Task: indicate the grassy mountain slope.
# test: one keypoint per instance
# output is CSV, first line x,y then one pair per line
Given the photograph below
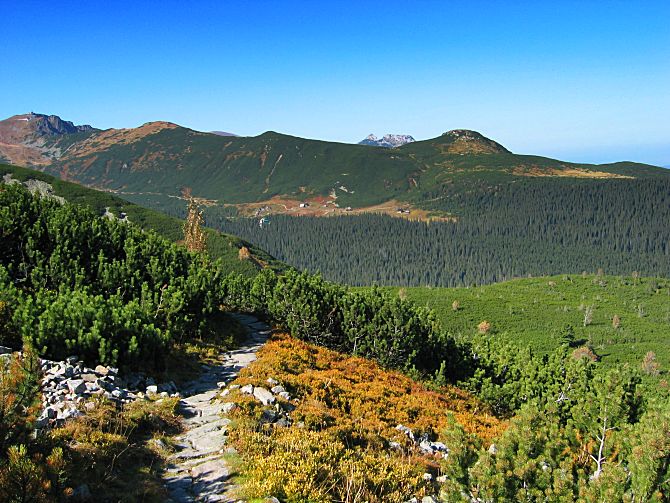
x,y
219,245
535,312
160,160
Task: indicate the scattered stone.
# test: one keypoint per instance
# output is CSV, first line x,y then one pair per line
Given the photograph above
x,y
285,395
442,479
228,407
272,382
278,389
88,377
4,350
71,360
152,389
407,431
198,471
264,396
283,422
77,386
428,499
493,449
427,477
101,370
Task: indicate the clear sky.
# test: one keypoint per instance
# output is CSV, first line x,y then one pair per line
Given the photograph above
x,y
578,80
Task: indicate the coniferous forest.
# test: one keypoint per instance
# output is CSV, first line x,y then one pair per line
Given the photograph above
x,y
619,226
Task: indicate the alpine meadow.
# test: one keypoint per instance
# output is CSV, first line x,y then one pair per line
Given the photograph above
x,y
217,285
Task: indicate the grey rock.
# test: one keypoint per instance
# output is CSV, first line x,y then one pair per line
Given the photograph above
x,y
91,387
285,395
88,377
71,360
101,370
228,407
278,389
268,416
283,422
152,388
407,431
4,350
76,386
264,396
272,382
248,389
69,413
428,499
426,447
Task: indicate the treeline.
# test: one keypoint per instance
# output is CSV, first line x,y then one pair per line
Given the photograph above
x,y
506,232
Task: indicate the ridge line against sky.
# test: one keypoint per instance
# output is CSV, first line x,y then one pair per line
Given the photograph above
x,y
580,81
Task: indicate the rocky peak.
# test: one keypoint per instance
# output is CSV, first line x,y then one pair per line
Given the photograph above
x,y
388,140
466,141
51,125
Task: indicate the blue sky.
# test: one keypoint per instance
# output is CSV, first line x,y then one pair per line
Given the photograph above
x,y
583,80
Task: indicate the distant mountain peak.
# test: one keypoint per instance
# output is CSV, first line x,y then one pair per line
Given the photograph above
x,y
47,125
466,141
23,137
388,140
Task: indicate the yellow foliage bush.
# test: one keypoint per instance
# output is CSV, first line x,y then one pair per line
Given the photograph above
x,y
349,408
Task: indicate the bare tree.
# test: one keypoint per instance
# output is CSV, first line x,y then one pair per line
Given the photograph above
x,y
588,315
195,238
599,458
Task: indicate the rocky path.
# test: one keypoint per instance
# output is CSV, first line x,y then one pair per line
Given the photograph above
x,y
198,472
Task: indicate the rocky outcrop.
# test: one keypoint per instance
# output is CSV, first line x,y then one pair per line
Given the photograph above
x,y
69,389
387,141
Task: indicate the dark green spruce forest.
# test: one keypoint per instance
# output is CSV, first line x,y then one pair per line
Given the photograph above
x,y
619,226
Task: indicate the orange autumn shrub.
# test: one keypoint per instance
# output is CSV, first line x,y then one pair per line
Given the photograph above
x,y
349,408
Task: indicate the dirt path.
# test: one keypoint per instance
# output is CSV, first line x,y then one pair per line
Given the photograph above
x,y
198,472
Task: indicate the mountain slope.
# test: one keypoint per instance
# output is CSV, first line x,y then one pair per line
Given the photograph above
x,y
160,160
223,246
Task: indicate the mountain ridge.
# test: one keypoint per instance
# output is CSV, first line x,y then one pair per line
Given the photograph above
x,y
273,172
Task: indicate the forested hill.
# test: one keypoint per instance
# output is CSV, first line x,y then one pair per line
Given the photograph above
x,y
160,160
222,246
619,226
